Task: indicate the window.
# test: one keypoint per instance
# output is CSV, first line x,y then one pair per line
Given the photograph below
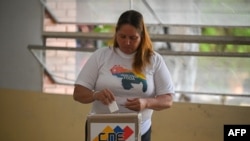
x,y
206,69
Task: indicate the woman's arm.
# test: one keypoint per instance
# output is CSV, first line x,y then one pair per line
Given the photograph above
x,y
159,102
83,94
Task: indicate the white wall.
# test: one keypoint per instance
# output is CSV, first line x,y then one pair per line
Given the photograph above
x,y
20,25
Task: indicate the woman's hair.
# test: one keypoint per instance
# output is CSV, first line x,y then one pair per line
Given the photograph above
x,y
145,49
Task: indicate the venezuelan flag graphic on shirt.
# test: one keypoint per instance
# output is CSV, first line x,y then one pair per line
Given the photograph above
x,y
129,77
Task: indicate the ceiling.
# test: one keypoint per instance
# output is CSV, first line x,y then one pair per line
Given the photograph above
x,y
234,13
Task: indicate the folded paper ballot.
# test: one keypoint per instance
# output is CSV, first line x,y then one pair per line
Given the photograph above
x,y
113,107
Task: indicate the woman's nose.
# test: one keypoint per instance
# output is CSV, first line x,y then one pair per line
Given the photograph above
x,y
128,41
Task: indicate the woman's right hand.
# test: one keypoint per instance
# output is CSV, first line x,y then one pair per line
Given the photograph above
x,y
105,96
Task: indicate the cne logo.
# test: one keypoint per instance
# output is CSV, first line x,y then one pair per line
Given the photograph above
x,y
114,134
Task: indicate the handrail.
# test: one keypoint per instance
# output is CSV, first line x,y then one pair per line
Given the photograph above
x,y
214,94
242,40
40,47
162,52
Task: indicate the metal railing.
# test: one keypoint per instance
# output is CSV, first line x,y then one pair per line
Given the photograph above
x,y
210,54
240,40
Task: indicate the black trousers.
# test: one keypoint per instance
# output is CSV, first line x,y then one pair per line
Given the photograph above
x,y
147,135
144,137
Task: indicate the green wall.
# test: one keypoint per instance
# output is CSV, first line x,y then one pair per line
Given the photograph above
x,y
36,116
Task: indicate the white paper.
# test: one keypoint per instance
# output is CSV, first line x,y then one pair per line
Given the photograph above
x,y
113,107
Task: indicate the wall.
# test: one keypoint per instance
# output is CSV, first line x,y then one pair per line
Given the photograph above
x,y
21,25
33,116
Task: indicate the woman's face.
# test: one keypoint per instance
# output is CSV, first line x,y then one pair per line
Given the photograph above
x,y
128,39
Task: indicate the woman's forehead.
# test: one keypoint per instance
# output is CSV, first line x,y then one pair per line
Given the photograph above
x,y
128,29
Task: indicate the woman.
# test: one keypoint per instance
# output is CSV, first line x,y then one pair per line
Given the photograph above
x,y
130,72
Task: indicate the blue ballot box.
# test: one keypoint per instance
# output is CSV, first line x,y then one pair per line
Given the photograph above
x,y
114,127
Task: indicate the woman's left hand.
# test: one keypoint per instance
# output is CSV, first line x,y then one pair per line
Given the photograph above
x,y
159,102
136,104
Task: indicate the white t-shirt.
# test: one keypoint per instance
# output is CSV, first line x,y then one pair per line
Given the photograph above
x,y
111,69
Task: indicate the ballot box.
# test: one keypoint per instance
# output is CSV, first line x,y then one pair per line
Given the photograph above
x,y
114,127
